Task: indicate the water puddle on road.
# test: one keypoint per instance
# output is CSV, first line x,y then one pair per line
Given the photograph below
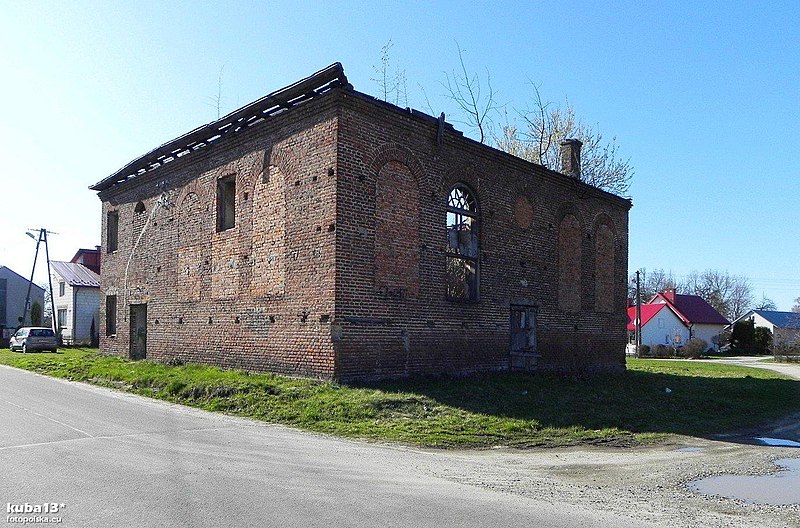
x,y
779,489
780,442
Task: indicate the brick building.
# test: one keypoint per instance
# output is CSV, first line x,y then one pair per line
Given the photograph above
x,y
321,232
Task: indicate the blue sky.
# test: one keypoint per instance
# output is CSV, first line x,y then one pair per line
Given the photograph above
x,y
702,98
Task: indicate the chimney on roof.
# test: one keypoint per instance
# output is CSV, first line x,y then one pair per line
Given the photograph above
x,y
669,294
571,158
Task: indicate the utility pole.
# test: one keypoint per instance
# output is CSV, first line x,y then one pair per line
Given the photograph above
x,y
638,314
41,238
53,317
27,306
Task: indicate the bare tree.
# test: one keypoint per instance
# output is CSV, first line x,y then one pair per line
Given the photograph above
x,y
216,100
730,295
765,304
390,78
546,124
543,126
796,307
651,282
475,99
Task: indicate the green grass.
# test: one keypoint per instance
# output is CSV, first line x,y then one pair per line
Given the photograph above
x,y
499,409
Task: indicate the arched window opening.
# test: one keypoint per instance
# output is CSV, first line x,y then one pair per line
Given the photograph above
x,y
462,245
139,208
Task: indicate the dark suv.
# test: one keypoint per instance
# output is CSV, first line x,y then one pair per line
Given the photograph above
x,y
30,338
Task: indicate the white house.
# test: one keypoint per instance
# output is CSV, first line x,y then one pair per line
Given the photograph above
x,y
13,291
785,326
671,319
76,292
660,326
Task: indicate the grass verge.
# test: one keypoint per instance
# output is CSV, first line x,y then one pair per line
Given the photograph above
x,y
652,399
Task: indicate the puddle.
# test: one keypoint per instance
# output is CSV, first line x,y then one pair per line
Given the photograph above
x,y
780,489
691,449
778,442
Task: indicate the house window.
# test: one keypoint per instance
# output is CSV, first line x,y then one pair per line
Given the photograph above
x,y
62,318
111,315
61,288
462,244
112,231
226,203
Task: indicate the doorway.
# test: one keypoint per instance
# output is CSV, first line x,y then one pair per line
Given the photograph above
x,y
138,348
523,329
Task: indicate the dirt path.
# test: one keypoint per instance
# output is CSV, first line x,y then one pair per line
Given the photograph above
x,y
647,485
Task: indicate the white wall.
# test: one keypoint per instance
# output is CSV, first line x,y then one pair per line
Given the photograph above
x,y
663,329
87,307
706,332
82,304
63,302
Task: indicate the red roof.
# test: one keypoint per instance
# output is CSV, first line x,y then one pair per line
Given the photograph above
x,y
648,312
693,309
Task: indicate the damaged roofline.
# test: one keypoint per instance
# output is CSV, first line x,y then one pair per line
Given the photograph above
x,y
274,103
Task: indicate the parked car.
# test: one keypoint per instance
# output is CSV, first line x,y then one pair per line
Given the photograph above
x,y
30,338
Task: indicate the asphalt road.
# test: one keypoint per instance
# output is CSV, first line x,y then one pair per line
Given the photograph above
x,y
115,459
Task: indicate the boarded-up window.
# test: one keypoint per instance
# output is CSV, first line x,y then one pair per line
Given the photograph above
x,y
569,264
112,231
269,234
226,203
604,269
111,315
396,231
462,245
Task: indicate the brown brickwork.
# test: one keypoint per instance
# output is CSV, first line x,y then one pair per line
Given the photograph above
x,y
335,266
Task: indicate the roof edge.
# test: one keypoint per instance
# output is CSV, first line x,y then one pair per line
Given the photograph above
x,y
274,103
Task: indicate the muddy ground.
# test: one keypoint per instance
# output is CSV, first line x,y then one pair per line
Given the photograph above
x,y
647,485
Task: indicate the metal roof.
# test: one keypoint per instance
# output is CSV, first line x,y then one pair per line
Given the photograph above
x,y
781,319
76,274
237,121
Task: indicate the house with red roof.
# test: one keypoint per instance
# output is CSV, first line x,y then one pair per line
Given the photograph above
x,y
672,319
77,297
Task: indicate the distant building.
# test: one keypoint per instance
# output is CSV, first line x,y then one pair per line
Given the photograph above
x,y
321,232
76,292
672,319
13,289
785,326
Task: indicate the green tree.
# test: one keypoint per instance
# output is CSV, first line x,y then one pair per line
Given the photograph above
x,y
743,337
36,314
762,340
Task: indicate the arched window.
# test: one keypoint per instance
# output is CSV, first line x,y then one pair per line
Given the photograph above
x,y
462,244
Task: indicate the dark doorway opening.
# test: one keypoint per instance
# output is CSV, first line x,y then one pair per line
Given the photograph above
x,y
523,337
138,348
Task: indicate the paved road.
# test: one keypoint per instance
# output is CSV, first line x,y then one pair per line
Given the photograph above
x,y
116,459
787,369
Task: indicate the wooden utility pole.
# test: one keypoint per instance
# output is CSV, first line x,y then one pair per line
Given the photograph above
x,y
638,321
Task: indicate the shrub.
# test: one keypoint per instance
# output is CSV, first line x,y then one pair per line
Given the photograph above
x,y
694,348
662,351
644,350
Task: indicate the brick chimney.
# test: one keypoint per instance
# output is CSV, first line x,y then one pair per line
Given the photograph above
x,y
571,158
669,294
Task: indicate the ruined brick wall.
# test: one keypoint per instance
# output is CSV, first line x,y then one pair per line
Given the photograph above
x,y
259,295
545,240
335,266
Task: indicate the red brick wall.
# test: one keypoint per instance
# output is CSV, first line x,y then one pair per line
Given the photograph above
x,y
336,264
256,296
394,332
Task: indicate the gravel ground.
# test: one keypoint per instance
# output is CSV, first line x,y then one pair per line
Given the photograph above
x,y
647,485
